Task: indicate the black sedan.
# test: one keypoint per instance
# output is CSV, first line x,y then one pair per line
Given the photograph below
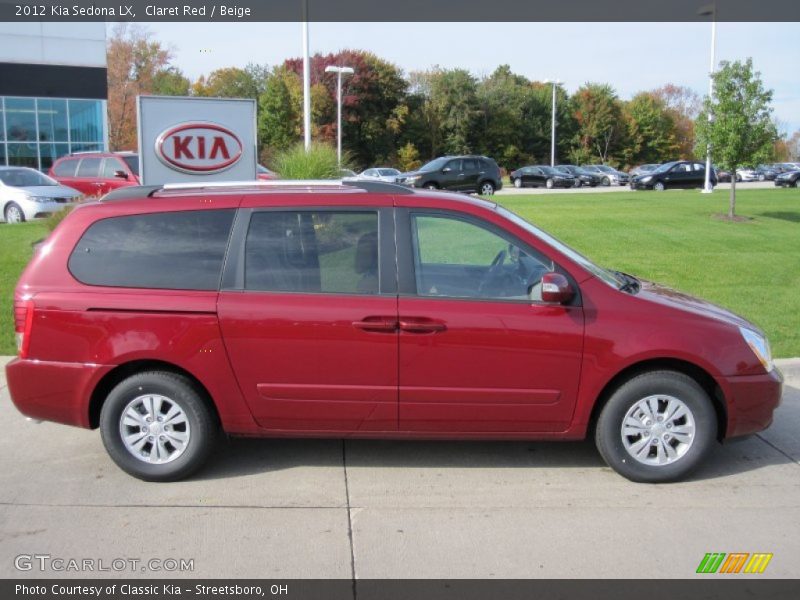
x,y
788,179
540,175
582,176
767,172
680,174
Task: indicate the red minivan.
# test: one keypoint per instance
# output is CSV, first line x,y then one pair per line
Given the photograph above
x,y
97,173
165,315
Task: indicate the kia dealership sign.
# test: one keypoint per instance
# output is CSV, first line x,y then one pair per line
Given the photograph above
x,y
196,139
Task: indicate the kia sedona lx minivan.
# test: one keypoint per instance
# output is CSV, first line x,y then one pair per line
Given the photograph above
x,y
166,315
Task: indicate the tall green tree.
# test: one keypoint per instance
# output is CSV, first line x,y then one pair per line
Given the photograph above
x,y
229,82
171,82
736,122
600,127
279,112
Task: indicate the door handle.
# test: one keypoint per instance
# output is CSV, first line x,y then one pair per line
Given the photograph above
x,y
378,324
422,326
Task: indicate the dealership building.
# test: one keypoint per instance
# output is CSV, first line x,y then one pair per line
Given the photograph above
x,y
53,91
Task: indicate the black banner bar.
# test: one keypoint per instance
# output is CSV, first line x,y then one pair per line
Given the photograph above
x,y
405,11
711,587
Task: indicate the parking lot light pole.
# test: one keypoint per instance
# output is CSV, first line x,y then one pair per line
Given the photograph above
x,y
710,10
306,82
555,82
339,72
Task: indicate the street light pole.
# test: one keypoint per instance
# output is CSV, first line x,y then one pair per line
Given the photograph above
x,y
555,82
339,72
710,10
306,82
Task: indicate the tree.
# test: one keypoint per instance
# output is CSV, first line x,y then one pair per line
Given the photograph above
x,y
280,110
230,82
741,130
793,146
171,82
684,104
408,158
135,65
651,130
600,126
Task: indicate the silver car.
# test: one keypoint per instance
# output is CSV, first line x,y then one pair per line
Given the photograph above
x,y
26,194
381,174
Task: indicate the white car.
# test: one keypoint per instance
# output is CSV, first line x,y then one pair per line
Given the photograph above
x,y
26,194
746,174
381,174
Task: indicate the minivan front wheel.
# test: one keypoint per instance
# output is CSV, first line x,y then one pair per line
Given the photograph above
x,y
656,427
157,427
486,188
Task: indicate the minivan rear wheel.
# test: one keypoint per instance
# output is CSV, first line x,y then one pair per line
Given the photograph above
x,y
157,427
656,427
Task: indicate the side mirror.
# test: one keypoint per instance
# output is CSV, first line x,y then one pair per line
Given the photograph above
x,y
121,174
556,289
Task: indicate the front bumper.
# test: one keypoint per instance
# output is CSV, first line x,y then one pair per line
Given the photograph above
x,y
54,391
638,185
751,401
33,210
783,183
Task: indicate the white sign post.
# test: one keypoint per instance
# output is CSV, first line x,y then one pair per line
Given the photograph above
x,y
196,139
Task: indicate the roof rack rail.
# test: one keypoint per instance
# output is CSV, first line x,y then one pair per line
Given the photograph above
x,y
369,186
145,191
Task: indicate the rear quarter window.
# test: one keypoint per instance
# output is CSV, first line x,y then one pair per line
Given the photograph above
x,y
180,250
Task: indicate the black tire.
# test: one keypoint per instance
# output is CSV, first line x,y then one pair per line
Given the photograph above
x,y
181,391
13,213
659,186
486,188
517,182
549,184
609,436
431,186
762,177
797,182
578,183
606,182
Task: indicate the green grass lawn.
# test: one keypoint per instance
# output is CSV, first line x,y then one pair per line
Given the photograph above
x,y
15,252
752,268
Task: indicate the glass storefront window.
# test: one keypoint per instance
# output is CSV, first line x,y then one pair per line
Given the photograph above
x,y
85,121
20,120
34,132
22,155
52,120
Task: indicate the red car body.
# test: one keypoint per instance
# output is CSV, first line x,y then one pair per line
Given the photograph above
x,y
95,173
384,365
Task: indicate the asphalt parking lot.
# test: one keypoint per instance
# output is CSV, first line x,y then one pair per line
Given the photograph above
x,y
510,190
376,509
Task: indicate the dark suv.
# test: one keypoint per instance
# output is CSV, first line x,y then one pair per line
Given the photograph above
x,y
473,174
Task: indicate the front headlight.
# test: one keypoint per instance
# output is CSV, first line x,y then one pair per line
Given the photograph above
x,y
32,198
412,179
646,179
760,347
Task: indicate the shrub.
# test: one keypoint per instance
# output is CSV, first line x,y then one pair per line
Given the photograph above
x,y
318,163
55,218
408,158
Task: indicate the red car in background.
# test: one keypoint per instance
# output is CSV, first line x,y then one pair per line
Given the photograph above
x,y
97,173
366,310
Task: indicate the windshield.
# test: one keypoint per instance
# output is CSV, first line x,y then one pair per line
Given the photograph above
x,y
133,163
388,172
665,167
24,178
606,168
604,274
435,164
549,171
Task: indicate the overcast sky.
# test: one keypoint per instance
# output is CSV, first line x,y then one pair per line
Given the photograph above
x,y
629,56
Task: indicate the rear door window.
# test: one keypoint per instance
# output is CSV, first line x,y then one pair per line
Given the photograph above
x,y
111,166
177,250
324,252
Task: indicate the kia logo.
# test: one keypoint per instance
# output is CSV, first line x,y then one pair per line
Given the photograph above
x,y
198,147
